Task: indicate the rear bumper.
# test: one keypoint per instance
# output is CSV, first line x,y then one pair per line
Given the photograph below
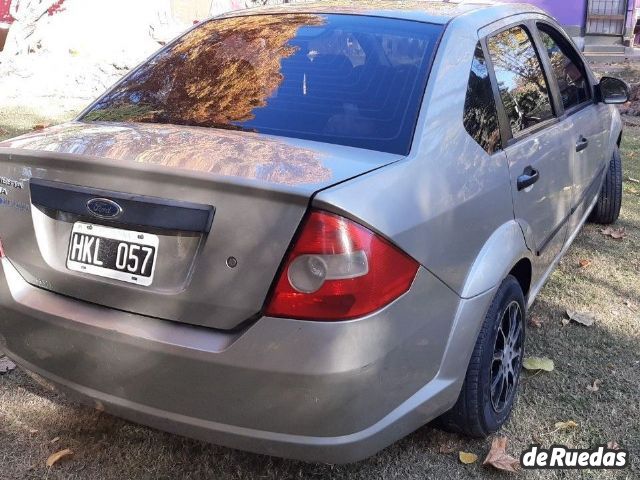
x,y
330,392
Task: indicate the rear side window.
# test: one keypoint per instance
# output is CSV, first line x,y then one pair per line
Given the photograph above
x,y
480,115
523,87
567,68
342,79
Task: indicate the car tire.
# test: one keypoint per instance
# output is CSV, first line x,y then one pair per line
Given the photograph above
x,y
480,410
607,208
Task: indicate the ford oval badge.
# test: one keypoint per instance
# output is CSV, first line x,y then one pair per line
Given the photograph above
x,y
104,208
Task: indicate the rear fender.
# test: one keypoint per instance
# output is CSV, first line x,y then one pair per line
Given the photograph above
x,y
504,248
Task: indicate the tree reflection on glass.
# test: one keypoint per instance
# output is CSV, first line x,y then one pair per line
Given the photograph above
x,y
523,87
349,80
480,116
218,152
215,75
569,74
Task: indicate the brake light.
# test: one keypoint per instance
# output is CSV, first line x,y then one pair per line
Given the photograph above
x,y
1,249
338,270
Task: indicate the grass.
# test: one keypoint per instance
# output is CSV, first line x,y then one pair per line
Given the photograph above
x,y
109,448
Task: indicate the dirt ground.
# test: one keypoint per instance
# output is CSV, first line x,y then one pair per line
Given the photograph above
x,y
35,422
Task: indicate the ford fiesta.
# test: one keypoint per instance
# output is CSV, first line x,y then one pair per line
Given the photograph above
x,y
308,232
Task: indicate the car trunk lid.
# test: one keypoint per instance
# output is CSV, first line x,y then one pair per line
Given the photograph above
x,y
224,206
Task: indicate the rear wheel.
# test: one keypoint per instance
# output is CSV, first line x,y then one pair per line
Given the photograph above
x,y
491,382
607,208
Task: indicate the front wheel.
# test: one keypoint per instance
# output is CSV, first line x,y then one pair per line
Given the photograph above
x,y
491,381
607,208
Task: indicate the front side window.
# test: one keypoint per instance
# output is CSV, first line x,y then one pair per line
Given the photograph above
x,y
343,79
567,68
480,115
523,87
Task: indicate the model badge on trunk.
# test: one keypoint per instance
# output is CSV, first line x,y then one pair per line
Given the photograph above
x,y
104,208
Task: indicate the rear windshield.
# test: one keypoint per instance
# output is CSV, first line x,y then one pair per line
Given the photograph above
x,y
342,79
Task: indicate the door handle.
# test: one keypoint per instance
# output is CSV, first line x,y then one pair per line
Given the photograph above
x,y
582,144
528,178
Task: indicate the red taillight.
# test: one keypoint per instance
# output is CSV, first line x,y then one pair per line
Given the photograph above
x,y
338,270
1,249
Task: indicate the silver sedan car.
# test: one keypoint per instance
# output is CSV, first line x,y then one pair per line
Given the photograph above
x,y
309,231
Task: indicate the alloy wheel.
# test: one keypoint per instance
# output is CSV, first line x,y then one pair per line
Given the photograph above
x,y
507,357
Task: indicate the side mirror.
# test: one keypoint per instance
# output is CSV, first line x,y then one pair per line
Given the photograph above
x,y
613,91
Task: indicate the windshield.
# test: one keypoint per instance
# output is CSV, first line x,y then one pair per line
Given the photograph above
x,y
342,79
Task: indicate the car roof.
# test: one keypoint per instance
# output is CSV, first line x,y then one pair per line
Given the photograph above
x,y
429,11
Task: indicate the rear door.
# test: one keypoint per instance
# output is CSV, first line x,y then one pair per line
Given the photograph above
x,y
538,144
589,119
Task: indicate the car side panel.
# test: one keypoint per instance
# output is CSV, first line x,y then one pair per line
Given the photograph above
x,y
448,197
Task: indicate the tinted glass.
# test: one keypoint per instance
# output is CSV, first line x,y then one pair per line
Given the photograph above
x,y
567,68
480,116
523,87
344,79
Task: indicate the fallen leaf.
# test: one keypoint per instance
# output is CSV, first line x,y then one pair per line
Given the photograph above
x,y
634,180
6,365
584,263
569,424
56,457
54,440
538,363
617,233
595,386
581,318
467,458
499,458
40,126
613,445
536,322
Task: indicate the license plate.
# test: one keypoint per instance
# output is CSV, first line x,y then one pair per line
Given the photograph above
x,y
113,253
